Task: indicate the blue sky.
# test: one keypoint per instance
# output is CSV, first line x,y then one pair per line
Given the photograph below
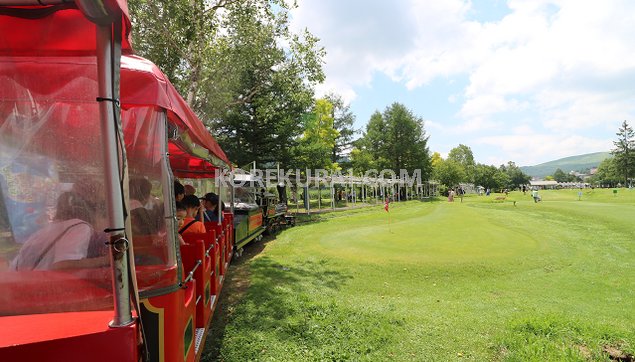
x,y
522,80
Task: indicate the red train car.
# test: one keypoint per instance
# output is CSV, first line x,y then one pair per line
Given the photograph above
x,y
179,307
90,264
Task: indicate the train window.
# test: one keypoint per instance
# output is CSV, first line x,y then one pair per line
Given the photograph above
x,y
245,195
150,223
52,201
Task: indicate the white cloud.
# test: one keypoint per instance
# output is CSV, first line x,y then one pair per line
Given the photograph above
x,y
559,65
489,104
533,147
552,49
568,111
361,38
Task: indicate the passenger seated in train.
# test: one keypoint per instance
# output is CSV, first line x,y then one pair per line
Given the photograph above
x,y
189,189
210,201
193,208
181,214
144,220
179,191
70,240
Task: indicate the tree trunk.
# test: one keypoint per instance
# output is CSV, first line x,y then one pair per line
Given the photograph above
x,y
192,86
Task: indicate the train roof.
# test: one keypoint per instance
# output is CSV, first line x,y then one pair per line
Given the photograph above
x,y
61,29
195,153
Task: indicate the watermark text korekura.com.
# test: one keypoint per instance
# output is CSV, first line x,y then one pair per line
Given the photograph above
x,y
314,178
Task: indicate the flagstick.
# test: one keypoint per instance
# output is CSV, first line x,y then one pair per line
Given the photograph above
x,y
387,207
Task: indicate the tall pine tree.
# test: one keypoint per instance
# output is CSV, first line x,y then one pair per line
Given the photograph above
x,y
394,140
624,152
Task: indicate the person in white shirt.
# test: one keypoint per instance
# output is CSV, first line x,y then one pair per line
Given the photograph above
x,y
65,243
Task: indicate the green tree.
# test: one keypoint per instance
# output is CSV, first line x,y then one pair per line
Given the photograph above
x,y
316,144
560,176
173,35
490,177
606,173
624,152
368,150
375,140
396,140
343,121
406,141
464,156
502,180
517,177
262,130
362,160
227,57
435,159
449,172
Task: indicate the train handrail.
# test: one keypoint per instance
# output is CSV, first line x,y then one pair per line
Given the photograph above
x,y
190,275
209,249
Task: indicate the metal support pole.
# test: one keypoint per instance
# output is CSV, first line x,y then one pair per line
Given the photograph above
x,y
112,154
233,195
220,201
332,196
307,198
352,192
319,195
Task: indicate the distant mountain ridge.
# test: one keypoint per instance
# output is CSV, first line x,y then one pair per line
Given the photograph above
x,y
574,163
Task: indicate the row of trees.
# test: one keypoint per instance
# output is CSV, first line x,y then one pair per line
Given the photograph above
x,y
561,176
251,79
460,167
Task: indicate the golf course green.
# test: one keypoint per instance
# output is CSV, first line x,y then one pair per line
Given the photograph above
x,y
482,279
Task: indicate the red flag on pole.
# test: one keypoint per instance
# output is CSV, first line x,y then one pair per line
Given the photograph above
x,y
386,204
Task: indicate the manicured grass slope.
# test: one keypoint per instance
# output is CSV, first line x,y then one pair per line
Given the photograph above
x,y
478,280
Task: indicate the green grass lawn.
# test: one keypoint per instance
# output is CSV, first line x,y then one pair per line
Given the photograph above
x,y
478,280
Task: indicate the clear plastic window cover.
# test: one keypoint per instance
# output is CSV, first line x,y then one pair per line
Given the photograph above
x,y
245,197
53,256
203,186
152,228
226,196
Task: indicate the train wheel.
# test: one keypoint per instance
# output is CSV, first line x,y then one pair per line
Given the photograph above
x,y
272,227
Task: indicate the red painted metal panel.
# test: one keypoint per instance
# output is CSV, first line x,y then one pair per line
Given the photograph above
x,y
175,311
68,337
65,32
222,244
193,251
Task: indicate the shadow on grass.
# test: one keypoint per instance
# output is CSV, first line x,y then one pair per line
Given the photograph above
x,y
234,289
260,292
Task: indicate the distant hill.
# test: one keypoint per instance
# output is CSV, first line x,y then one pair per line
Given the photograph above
x,y
567,164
